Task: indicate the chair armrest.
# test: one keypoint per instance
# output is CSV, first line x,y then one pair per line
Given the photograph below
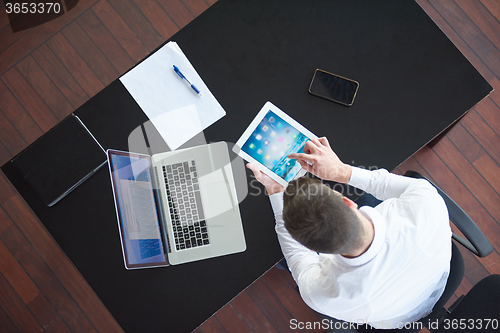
x,y
474,239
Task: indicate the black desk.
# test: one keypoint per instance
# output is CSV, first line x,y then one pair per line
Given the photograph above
x,y
413,84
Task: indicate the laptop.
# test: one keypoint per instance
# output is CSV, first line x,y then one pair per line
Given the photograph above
x,y
176,207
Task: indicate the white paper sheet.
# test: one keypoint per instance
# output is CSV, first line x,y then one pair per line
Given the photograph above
x,y
174,108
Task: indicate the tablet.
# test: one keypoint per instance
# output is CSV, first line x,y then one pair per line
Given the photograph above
x,y
269,139
67,156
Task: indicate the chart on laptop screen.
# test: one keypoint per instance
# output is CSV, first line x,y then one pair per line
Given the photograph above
x,y
272,141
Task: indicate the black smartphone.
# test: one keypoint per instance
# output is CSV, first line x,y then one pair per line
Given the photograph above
x,y
333,87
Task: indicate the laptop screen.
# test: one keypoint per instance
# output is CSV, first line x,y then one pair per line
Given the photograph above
x,y
136,208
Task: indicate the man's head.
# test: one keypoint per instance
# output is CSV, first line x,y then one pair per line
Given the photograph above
x,y
321,219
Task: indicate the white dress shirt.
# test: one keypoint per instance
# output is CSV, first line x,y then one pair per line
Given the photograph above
x,y
401,275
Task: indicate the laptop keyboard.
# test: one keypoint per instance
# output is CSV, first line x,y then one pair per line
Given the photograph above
x,y
184,200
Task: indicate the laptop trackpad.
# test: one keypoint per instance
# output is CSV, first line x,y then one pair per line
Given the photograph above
x,y
216,194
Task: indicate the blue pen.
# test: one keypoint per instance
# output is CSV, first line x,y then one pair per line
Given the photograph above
x,y
178,71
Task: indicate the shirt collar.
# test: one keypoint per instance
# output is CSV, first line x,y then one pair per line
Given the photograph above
x,y
378,240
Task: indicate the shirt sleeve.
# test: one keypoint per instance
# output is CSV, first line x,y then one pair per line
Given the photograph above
x,y
299,258
384,185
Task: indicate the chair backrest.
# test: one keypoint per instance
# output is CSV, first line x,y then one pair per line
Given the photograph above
x,y
478,311
474,240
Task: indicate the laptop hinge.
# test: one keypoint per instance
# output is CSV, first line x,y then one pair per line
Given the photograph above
x,y
161,213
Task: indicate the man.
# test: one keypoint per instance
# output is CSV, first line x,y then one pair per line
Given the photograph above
x,y
386,266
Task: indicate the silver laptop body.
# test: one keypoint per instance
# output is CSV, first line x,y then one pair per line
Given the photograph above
x,y
183,209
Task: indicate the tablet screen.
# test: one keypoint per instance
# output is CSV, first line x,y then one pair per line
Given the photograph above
x,y
272,141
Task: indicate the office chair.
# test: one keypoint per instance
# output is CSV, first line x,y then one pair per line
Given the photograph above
x,y
479,310
473,240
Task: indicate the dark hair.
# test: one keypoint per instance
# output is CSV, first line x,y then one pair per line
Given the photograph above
x,y
319,219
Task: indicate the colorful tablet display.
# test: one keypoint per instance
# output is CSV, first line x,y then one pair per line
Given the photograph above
x,y
272,141
269,139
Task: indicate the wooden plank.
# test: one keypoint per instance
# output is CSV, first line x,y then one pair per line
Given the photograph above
x,y
452,185
26,22
60,76
5,323
267,302
44,87
177,11
489,170
211,325
413,165
17,311
10,137
105,41
289,297
449,31
6,35
75,64
5,221
483,19
38,35
47,316
29,99
466,143
490,112
4,18
7,191
52,289
60,265
493,7
495,95
16,276
158,18
90,53
138,23
252,315
196,7
470,33
18,116
470,177
5,155
231,320
483,133
120,30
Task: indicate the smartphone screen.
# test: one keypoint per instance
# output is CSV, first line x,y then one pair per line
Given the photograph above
x,y
333,87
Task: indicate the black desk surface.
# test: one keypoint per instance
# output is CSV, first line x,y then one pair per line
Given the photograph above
x,y
413,84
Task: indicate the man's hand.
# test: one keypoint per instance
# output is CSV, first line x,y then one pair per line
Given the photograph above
x,y
271,185
320,160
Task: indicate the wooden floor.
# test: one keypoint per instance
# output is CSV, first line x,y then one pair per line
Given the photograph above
x,y
49,71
